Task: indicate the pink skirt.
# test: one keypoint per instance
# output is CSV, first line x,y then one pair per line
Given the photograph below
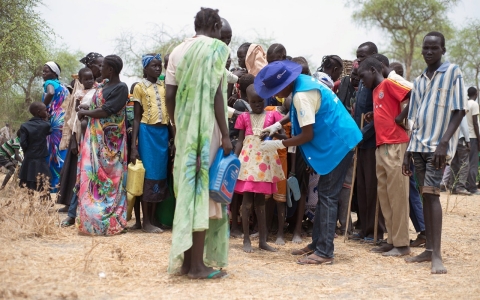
x,y
266,188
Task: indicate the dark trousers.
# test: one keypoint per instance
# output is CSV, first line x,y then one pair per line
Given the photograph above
x,y
367,193
459,166
416,206
473,166
72,209
329,188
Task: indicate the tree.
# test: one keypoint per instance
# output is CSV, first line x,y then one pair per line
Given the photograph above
x,y
131,46
465,51
405,22
22,36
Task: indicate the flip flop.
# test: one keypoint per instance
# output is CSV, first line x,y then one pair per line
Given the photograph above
x,y
301,252
214,273
292,183
313,261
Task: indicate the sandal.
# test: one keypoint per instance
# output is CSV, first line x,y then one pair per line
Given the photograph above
x,y
303,251
67,222
419,242
315,261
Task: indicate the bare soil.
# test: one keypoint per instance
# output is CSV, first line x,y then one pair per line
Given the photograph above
x,y
65,265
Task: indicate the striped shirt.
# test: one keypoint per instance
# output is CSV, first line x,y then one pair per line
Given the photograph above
x,y
431,104
8,148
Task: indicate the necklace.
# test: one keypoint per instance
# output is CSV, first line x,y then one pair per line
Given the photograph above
x,y
257,121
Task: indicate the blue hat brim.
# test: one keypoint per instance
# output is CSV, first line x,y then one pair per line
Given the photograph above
x,y
266,92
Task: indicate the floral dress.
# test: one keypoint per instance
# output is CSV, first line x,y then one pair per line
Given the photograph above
x,y
101,171
260,170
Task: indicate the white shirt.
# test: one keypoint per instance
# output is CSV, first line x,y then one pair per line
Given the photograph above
x,y
473,111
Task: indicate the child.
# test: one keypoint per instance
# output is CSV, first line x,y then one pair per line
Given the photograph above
x,y
392,140
7,150
33,140
150,125
260,171
434,137
82,99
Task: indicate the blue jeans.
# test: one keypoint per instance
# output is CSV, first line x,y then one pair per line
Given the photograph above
x,y
72,209
416,208
325,222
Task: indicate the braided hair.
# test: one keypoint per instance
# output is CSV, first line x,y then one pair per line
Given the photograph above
x,y
115,62
329,62
206,18
276,52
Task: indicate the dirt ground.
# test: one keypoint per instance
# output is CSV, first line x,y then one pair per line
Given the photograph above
x,y
66,265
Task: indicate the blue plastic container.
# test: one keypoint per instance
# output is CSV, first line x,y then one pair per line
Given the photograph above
x,y
223,177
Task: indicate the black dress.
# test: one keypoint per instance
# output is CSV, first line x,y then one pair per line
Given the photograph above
x,y
33,140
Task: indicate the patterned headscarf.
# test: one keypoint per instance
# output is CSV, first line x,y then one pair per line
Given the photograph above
x,y
146,59
90,57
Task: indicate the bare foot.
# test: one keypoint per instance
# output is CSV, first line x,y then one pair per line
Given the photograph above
x,y
297,239
236,234
247,247
267,247
383,248
151,229
437,266
136,226
303,251
184,270
280,241
398,251
424,256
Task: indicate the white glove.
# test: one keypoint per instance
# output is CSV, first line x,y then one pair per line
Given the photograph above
x,y
271,145
272,129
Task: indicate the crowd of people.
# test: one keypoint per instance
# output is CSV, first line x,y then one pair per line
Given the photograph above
x,y
307,143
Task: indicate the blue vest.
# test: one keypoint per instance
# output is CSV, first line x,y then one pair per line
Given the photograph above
x,y
335,133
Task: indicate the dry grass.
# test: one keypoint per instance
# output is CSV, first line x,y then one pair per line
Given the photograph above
x,y
133,266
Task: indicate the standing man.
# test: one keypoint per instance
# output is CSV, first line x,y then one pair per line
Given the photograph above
x,y
366,172
326,135
473,132
437,106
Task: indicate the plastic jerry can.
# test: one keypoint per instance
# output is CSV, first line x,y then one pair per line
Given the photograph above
x,y
135,178
223,177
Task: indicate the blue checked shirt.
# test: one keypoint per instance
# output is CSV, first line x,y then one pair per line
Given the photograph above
x,y
431,105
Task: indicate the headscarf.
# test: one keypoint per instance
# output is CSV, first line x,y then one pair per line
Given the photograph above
x,y
90,57
54,67
256,59
146,59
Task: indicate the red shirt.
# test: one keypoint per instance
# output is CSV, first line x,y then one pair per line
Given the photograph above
x,y
387,97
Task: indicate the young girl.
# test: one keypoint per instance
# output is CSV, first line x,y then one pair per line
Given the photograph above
x,y
260,171
150,125
33,140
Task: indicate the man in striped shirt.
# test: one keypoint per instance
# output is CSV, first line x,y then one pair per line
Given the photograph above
x,y
437,106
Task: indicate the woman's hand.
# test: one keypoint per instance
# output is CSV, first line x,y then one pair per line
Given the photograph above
x,y
134,155
81,114
226,145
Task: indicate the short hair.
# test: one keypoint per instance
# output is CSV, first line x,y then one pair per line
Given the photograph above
x,y
382,58
244,82
244,45
276,49
132,87
472,91
34,107
115,62
396,66
437,34
370,62
83,71
206,18
304,63
329,62
371,46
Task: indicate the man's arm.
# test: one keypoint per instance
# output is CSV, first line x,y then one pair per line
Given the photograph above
x,y
439,158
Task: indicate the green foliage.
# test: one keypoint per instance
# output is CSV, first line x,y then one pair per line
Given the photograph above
x,y
405,22
465,51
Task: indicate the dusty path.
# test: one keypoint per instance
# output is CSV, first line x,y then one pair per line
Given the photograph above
x,y
67,266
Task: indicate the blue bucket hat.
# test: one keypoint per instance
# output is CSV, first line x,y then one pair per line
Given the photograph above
x,y
276,76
